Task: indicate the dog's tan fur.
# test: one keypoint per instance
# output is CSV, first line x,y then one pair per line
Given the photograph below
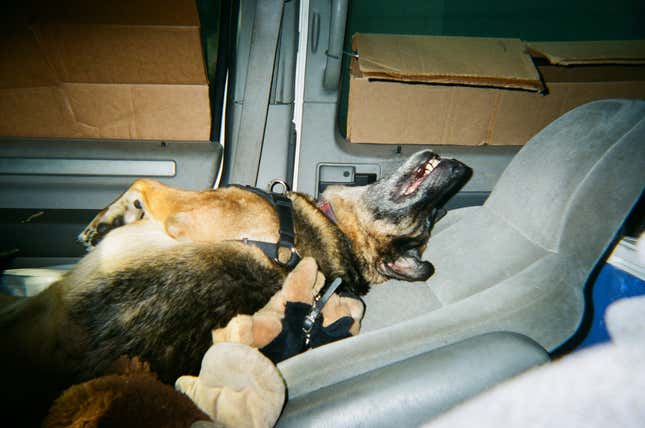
x,y
197,216
231,213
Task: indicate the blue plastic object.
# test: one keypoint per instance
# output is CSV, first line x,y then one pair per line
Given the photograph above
x,y
611,284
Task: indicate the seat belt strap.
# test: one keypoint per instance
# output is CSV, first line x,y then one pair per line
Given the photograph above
x,y
264,42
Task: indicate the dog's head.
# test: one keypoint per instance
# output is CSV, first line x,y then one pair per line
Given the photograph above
x,y
389,222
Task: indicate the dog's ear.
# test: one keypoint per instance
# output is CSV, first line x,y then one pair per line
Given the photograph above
x,y
408,267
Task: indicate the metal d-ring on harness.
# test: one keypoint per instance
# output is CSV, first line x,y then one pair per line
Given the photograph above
x,y
283,206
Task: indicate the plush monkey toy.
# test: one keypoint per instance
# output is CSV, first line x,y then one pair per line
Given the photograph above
x,y
239,384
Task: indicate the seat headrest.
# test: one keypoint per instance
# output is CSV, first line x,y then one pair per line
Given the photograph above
x,y
579,175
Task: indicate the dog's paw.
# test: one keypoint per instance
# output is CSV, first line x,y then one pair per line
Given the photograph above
x,y
127,209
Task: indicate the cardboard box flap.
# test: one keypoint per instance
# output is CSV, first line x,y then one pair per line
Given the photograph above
x,y
446,60
591,52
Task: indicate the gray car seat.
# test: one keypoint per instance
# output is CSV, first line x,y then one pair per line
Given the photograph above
x,y
518,264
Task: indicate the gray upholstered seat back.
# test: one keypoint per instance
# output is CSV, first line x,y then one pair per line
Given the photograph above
x,y
602,201
566,193
559,185
519,263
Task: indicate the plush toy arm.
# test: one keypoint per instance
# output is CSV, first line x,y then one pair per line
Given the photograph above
x,y
276,329
264,326
341,306
255,331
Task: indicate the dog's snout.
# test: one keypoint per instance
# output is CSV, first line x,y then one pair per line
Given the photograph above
x,y
426,271
457,168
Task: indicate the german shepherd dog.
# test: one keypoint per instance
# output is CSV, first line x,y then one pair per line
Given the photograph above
x,y
167,266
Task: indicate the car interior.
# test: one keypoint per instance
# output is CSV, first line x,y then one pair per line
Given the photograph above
x,y
526,257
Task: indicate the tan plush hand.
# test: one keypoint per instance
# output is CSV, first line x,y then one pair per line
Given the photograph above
x,y
259,329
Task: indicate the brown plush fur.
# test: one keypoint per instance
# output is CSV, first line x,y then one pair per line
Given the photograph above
x,y
132,397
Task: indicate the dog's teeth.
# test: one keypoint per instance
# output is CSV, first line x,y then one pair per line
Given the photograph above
x,y
430,165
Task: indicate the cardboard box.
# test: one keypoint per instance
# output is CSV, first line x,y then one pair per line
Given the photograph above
x,y
124,69
477,91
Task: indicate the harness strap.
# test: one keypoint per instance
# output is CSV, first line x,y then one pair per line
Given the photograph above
x,y
284,207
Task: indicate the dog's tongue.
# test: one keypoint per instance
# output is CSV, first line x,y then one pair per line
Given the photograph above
x,y
402,265
409,267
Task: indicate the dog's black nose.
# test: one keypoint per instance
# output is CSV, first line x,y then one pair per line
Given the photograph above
x,y
458,169
426,271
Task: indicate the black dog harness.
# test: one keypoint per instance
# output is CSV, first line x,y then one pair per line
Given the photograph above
x,y
302,325
284,207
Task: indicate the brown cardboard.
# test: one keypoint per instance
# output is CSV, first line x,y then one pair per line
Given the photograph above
x,y
98,53
596,52
87,110
415,110
460,60
125,69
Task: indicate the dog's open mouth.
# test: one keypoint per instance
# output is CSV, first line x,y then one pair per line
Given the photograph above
x,y
407,267
412,181
419,175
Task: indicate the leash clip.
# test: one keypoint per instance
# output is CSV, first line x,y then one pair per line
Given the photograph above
x,y
308,325
319,303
